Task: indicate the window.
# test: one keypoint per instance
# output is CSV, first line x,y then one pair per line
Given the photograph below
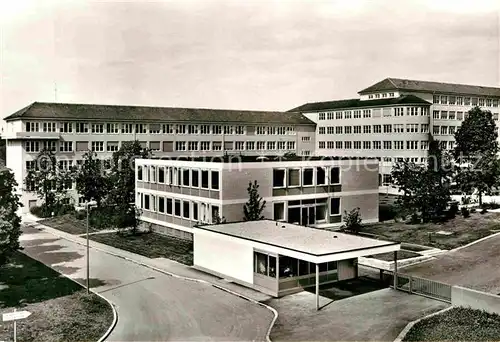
x,y
412,145
49,145
261,130
139,172
460,100
357,145
357,114
261,145
444,130
279,178
82,127
320,176
488,102
239,145
367,145
460,115
217,145
387,145
377,145
495,102
161,204
444,99
306,139
185,177
474,101
412,128
451,116
377,128
240,130
481,102
338,144
388,128
217,129
98,146
367,129
435,114
444,115
194,212
155,128
334,206
321,116
66,146
32,126
215,180
186,209
192,129
330,129
177,208
154,146
281,145
180,129
279,211
97,128
399,145
205,129
127,128
308,177
192,146
357,129
334,175
398,111
435,99
180,146
338,130
265,264
271,130
290,145
293,177
348,145
290,130
49,126
169,208
424,128
435,129
321,144
141,129
161,174
399,128
322,130
271,145
424,145
467,101
451,130
250,145
330,144
204,145
338,115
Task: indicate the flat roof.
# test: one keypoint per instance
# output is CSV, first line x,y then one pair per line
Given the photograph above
x,y
242,158
316,242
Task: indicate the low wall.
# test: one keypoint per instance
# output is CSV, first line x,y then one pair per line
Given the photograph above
x,y
473,299
389,265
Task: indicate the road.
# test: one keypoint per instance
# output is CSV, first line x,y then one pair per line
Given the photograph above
x,y
476,266
153,306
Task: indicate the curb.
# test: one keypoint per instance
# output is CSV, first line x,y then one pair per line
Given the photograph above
x,y
474,242
410,325
115,313
201,281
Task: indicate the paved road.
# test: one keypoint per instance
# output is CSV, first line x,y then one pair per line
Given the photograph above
x,y
152,306
476,267
375,316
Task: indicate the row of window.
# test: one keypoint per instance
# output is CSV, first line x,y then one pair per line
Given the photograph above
x,y
179,176
234,145
444,130
306,176
453,115
375,145
368,129
380,95
123,128
464,101
189,210
368,113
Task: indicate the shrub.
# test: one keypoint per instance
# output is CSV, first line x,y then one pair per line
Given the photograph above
x,y
415,219
37,211
452,211
473,210
465,212
386,212
81,214
352,221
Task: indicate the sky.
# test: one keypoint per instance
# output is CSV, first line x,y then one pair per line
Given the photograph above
x,y
260,55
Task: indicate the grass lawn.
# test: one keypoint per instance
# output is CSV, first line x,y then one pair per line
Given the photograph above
x,y
68,223
402,254
464,231
152,245
457,324
61,309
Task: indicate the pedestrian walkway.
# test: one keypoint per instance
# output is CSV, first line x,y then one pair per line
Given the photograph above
x,y
159,264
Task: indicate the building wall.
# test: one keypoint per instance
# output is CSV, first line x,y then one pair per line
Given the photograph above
x,y
346,269
224,255
367,204
235,181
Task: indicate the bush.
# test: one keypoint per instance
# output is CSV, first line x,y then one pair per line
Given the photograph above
x,y
452,211
81,214
387,212
465,212
352,221
473,210
415,219
38,211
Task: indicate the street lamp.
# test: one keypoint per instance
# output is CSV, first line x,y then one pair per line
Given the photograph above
x,y
88,205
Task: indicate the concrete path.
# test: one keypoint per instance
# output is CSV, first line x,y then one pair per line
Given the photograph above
x,y
374,316
152,306
476,266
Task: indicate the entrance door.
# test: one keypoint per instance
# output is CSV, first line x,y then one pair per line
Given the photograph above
x,y
305,216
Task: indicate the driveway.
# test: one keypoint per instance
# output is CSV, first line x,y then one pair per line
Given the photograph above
x,y
375,316
153,306
476,267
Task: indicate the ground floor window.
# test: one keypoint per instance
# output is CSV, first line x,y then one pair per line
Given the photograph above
x,y
264,264
307,212
291,267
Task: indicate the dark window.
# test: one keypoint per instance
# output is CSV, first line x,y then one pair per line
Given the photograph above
x,y
161,174
288,267
185,209
161,204
195,178
146,202
278,178
204,179
323,267
272,266
260,265
195,211
334,175
293,177
215,212
177,208
279,211
303,267
169,206
320,176
215,180
334,206
139,173
307,177
332,265
185,177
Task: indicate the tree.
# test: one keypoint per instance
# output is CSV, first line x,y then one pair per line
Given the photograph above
x,y
352,221
425,188
91,182
475,152
50,183
255,204
10,222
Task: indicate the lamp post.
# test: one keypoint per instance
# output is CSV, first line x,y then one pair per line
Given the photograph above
x,y
88,206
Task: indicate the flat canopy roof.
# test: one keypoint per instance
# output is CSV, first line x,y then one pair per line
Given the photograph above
x,y
307,240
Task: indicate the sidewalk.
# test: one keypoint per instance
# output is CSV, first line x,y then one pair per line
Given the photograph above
x,y
163,265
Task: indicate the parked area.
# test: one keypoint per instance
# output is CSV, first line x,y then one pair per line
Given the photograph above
x,y
61,309
151,245
451,234
476,266
457,324
374,316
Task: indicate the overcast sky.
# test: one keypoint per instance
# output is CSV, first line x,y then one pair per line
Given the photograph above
x,y
270,55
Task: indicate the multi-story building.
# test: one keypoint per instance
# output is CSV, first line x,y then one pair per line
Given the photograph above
x,y
70,130
176,195
394,119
